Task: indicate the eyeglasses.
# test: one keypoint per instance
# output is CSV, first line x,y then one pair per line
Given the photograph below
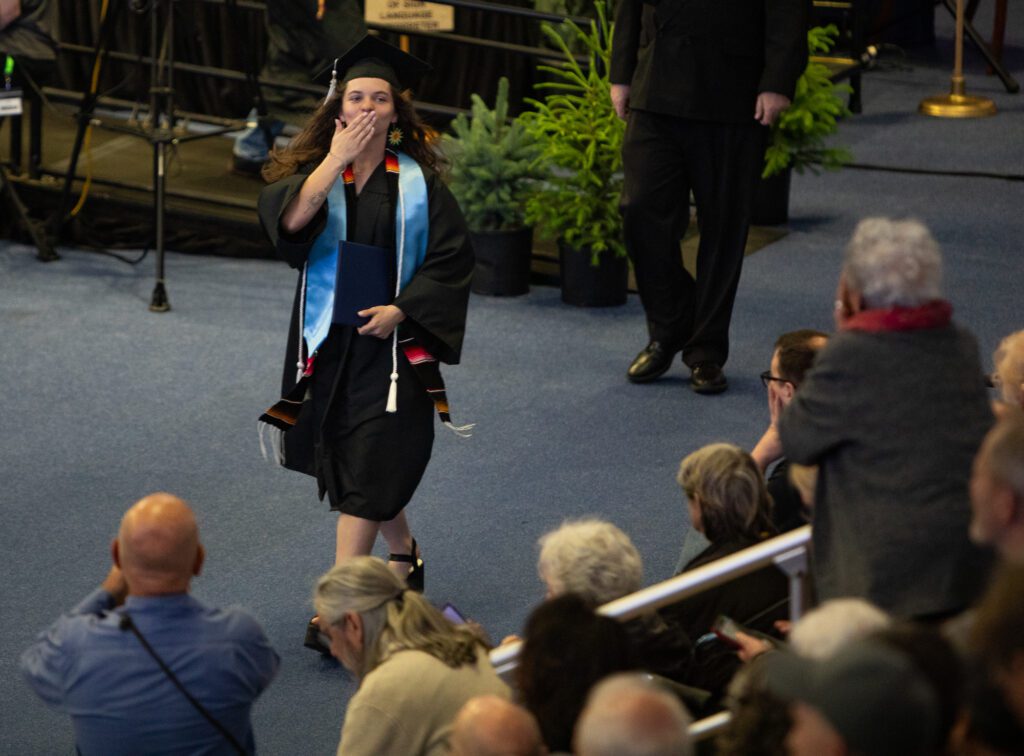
x,y
767,377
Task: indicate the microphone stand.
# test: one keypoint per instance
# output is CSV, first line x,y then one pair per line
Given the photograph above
x,y
158,129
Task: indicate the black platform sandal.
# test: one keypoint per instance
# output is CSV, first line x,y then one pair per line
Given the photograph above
x,y
315,639
415,578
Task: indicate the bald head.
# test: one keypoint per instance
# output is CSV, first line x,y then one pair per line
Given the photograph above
x,y
157,546
492,726
627,715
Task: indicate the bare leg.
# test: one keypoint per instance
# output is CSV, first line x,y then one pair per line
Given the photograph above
x,y
356,536
396,533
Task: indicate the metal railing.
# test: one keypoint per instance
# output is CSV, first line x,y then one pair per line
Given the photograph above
x,y
788,552
133,58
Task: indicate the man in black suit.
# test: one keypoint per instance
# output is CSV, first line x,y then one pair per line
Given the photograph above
x,y
699,82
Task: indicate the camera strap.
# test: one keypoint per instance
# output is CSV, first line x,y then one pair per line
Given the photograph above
x,y
128,624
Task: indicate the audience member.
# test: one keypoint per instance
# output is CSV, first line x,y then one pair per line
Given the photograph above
x,y
628,715
415,668
759,718
597,561
804,479
729,504
937,660
94,664
1009,374
28,32
492,726
991,728
892,411
997,636
868,699
567,649
793,356
825,629
591,558
997,489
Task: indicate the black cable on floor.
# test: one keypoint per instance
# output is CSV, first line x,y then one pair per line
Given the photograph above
x,y
934,171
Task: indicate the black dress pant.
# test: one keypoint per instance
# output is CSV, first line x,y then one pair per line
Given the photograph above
x,y
664,159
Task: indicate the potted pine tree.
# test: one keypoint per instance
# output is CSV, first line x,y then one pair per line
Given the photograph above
x,y
491,164
799,135
577,199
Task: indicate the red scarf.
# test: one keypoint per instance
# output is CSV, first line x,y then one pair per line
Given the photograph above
x,y
935,314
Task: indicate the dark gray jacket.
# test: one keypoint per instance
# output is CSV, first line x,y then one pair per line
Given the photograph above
x,y
894,420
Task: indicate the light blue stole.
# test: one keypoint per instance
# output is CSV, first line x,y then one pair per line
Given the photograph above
x,y
411,229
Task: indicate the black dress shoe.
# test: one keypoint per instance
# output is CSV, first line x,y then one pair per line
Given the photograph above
x,y
651,363
708,378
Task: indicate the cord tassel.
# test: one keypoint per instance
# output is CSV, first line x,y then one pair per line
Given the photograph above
x,y
393,394
393,390
275,437
462,431
334,82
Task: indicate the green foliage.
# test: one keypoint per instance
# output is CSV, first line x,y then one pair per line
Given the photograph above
x,y
581,145
491,162
799,134
566,8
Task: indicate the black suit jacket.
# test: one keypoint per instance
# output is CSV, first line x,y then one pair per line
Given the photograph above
x,y
708,59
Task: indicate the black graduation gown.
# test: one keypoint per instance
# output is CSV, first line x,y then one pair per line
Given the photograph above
x,y
369,462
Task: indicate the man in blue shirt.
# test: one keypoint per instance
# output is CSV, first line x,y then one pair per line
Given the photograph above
x,y
90,663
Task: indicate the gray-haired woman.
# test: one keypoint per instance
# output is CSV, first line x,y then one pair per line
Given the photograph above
x,y
729,503
415,668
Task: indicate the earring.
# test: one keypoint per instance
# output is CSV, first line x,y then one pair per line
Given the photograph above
x,y
395,136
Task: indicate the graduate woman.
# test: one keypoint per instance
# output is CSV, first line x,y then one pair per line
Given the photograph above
x,y
355,205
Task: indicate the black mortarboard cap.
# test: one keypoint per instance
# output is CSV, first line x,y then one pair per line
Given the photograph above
x,y
375,58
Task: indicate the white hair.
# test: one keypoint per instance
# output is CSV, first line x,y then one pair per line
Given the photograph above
x,y
824,630
893,263
628,715
592,558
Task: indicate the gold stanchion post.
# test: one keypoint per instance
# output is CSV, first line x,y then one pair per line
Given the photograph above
x,y
957,104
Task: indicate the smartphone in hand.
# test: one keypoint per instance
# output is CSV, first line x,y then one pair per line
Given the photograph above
x,y
725,629
454,615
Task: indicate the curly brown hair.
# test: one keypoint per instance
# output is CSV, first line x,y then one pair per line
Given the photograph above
x,y
312,144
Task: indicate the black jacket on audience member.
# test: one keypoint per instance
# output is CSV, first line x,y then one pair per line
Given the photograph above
x,y
755,600
660,646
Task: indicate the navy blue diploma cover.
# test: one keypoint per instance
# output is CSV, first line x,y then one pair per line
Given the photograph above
x,y
363,281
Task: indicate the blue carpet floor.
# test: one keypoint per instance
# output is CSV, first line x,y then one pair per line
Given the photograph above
x,y
105,401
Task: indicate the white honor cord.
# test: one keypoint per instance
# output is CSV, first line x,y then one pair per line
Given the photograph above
x,y
393,390
300,367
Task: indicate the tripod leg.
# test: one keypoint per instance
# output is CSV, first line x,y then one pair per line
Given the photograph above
x,y
159,301
44,250
161,108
